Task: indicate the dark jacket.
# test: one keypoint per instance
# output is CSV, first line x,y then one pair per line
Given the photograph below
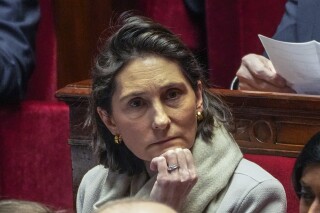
x,y
18,25
301,21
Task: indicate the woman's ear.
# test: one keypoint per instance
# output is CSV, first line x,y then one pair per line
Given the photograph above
x,y
107,120
199,96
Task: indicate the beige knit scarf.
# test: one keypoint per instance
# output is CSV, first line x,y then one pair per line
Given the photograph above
x,y
215,163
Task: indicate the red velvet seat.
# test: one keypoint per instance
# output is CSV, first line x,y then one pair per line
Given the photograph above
x,y
35,159
280,168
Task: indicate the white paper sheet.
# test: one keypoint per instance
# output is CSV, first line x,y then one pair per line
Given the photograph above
x,y
298,63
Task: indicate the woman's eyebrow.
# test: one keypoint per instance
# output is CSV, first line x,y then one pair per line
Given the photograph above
x,y
304,185
175,84
131,94
142,92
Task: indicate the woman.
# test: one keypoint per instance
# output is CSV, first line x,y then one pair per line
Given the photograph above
x,y
306,176
162,135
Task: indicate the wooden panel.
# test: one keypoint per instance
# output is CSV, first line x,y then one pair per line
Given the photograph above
x,y
79,23
273,123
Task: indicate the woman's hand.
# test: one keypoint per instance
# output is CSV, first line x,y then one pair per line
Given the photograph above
x,y
257,73
172,187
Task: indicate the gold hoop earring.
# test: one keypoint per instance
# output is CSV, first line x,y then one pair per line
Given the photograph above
x,y
199,116
117,139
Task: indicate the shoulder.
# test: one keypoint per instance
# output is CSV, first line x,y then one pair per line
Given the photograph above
x,y
95,173
249,177
90,187
255,189
250,170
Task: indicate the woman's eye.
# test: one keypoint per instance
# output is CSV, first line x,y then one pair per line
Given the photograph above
x,y
174,94
136,107
307,196
137,102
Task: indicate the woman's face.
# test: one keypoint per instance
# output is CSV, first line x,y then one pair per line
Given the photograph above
x,y
310,189
154,107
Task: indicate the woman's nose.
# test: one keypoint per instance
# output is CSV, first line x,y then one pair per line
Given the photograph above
x,y
161,119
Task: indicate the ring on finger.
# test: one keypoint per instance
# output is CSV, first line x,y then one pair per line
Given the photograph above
x,y
173,167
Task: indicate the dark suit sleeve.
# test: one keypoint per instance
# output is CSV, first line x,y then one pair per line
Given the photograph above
x,y
287,29
18,25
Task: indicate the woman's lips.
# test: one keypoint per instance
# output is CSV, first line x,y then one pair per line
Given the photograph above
x,y
164,140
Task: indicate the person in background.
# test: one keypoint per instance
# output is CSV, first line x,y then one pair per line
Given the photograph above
x,y
196,6
306,176
22,206
300,23
18,27
130,205
160,133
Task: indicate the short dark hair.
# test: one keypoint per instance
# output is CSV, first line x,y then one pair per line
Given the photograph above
x,y
309,155
134,37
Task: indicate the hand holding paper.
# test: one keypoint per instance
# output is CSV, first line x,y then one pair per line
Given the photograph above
x,y
298,63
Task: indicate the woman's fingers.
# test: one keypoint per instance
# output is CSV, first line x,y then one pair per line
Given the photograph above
x,y
173,186
175,167
158,164
172,161
190,164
